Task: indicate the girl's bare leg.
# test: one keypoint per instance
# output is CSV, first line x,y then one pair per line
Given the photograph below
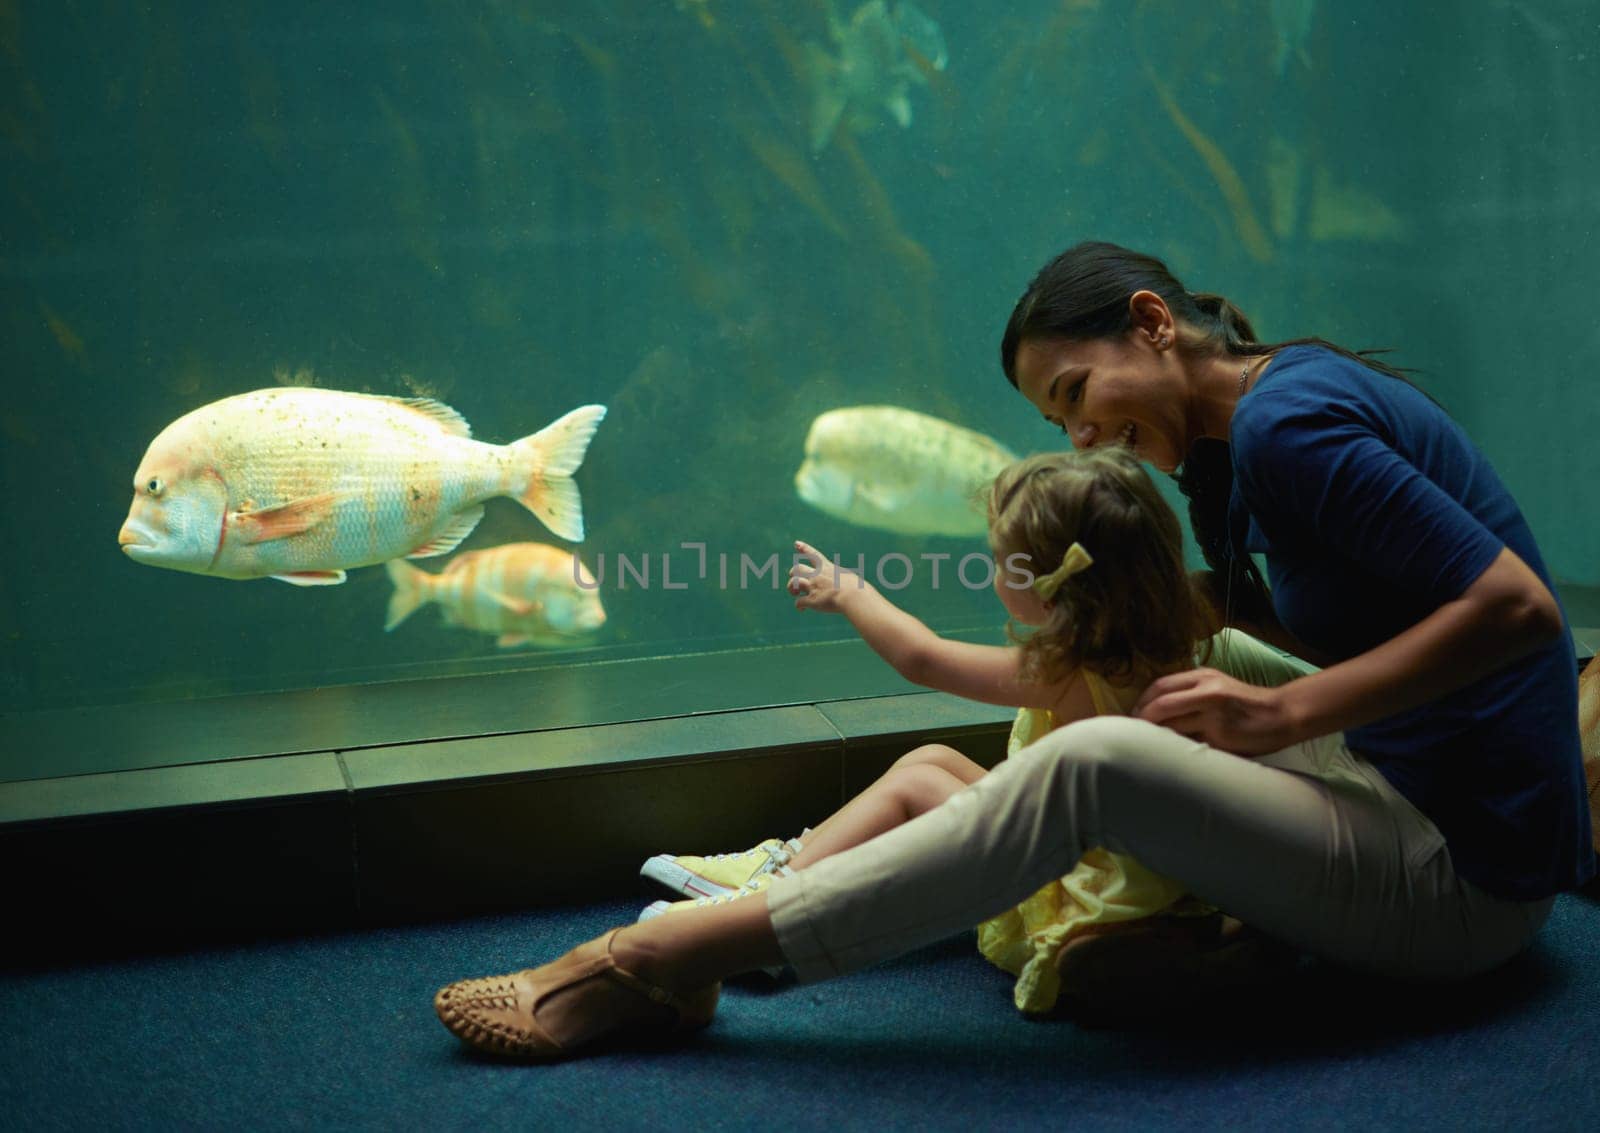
x,y
917,782
697,946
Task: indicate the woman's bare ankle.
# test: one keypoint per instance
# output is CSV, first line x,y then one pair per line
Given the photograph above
x,y
639,951
688,949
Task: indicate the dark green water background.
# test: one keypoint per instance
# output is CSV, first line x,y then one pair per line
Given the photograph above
x,y
522,207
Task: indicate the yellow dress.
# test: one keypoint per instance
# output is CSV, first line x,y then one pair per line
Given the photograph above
x,y
1104,888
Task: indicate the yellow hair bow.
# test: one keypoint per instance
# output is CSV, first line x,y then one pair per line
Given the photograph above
x,y
1076,559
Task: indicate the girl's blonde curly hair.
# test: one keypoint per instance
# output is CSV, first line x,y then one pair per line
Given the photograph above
x,y
1135,613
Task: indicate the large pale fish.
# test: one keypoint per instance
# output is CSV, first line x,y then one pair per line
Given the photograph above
x,y
526,593
304,484
899,470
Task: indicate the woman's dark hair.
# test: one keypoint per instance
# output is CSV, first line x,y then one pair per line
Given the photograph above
x,y
1083,295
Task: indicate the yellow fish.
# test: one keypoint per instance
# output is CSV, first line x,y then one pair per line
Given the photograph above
x,y
899,470
302,484
527,593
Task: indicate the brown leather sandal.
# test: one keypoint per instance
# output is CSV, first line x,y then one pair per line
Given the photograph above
x,y
500,1014
1145,968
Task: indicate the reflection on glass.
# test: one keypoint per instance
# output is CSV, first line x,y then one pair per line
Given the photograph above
x,y
523,593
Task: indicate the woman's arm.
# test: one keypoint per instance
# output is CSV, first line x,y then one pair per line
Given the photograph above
x,y
987,673
1506,614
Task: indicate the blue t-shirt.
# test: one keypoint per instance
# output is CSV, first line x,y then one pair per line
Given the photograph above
x,y
1373,508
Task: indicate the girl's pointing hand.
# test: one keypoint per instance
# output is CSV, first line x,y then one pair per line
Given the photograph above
x,y
819,584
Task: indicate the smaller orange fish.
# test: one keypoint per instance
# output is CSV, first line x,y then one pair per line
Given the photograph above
x,y
526,593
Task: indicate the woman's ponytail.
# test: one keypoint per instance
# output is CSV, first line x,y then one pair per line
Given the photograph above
x,y
1227,321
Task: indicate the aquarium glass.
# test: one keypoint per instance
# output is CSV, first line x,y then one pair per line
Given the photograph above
x,y
721,219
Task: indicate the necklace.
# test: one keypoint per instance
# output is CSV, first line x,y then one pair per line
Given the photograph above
x,y
1243,374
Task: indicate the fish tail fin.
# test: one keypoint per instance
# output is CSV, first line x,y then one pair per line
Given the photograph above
x,y
828,97
412,588
545,463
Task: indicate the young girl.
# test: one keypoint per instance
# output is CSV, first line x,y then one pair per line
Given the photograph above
x,y
1089,555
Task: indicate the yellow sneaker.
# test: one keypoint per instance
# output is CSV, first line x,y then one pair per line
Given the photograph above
x,y
755,885
719,875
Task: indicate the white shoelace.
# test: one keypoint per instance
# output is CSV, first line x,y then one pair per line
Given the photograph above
x,y
775,858
745,890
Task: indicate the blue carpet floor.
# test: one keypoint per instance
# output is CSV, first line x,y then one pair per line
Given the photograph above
x,y
338,1032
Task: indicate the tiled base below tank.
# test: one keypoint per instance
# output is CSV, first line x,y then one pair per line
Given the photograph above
x,y
101,865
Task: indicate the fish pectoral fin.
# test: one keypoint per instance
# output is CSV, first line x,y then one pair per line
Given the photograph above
x,y
511,640
284,520
877,496
311,577
899,107
521,607
461,525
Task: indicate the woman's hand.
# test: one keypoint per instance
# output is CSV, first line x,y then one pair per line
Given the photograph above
x,y
819,584
1216,709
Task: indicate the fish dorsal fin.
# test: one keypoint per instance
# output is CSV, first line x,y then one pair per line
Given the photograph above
x,y
439,413
460,526
293,518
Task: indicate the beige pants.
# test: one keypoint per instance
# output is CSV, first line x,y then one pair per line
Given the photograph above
x,y
1311,845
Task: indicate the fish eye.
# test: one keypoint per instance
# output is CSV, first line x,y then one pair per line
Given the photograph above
x,y
155,486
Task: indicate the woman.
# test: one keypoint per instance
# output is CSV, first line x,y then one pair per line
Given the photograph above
x,y
1397,559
